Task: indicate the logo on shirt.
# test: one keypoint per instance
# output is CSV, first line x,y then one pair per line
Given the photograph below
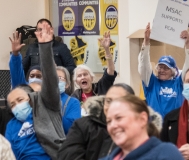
x,y
167,92
26,129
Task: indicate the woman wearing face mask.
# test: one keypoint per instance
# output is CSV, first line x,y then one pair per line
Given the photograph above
x,y
175,126
16,69
71,109
36,132
128,123
6,113
34,75
84,77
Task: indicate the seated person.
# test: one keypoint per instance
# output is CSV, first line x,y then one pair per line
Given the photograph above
x,y
36,132
6,113
88,138
129,126
84,77
175,126
70,105
71,109
164,92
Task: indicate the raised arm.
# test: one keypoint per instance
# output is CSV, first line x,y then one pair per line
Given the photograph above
x,y
185,35
49,92
105,43
15,63
144,65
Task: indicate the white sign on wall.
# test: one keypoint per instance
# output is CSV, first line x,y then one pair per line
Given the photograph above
x,y
171,18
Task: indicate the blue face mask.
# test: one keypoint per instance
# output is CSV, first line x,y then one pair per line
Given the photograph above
x,y
62,86
22,110
31,80
185,91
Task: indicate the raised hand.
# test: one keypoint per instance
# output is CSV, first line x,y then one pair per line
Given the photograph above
x,y
147,35
105,41
46,35
16,46
185,35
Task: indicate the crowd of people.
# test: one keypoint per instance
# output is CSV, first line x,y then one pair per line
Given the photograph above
x,y
45,119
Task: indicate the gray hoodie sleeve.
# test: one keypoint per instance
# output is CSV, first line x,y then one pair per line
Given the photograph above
x,y
144,65
50,91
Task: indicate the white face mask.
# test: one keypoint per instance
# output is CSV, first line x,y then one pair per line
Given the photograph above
x,y
22,110
62,86
31,80
185,91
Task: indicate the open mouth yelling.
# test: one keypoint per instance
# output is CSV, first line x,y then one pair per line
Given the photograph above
x,y
84,83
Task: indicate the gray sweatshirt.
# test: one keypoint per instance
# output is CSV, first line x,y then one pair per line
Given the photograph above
x,y
47,104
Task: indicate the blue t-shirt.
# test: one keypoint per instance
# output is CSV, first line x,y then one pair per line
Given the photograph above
x,y
23,140
164,96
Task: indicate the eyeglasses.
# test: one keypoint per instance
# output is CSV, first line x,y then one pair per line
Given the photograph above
x,y
164,67
62,78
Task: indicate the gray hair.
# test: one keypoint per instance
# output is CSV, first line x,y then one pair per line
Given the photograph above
x,y
94,105
84,67
156,118
67,74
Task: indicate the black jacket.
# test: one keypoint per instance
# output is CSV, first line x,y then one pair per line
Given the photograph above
x,y
5,116
87,139
169,132
62,56
99,88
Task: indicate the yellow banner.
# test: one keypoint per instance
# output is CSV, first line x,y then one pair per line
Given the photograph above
x,y
109,16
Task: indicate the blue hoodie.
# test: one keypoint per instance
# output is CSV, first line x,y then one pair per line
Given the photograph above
x,y
153,149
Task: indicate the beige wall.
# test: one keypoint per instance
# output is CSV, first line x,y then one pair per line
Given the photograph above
x,y
140,13
133,15
13,14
